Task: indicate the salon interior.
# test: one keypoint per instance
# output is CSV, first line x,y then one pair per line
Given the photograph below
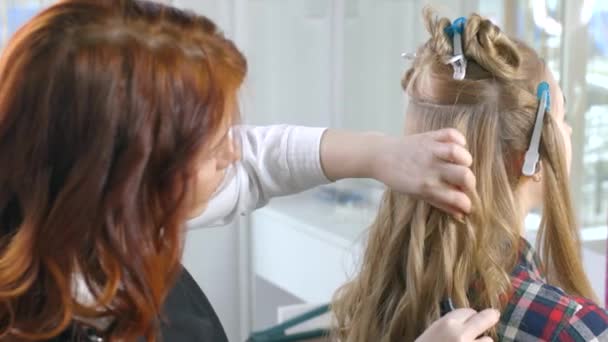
x,y
338,63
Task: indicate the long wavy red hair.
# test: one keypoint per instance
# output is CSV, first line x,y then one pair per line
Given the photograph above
x,y
105,107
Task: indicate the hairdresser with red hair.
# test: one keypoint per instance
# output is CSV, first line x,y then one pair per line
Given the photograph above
x,y
116,124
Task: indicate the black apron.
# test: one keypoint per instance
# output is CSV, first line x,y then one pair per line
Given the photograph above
x,y
188,317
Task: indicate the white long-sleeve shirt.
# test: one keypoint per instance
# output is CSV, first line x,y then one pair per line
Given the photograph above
x,y
276,161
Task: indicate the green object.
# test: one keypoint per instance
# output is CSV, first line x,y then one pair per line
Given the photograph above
x,y
277,333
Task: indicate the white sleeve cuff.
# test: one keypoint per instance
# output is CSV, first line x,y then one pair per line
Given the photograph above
x,y
304,157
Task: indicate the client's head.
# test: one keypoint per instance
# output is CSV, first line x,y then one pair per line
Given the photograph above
x,y
417,256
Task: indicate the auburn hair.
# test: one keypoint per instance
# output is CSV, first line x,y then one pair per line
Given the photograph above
x,y
105,107
417,256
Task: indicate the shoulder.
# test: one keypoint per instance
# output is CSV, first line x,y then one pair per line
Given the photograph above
x,y
589,322
537,310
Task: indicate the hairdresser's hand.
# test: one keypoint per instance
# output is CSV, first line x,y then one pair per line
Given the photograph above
x,y
432,166
461,325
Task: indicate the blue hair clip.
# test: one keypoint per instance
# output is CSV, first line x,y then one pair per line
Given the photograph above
x,y
456,27
543,89
458,61
532,155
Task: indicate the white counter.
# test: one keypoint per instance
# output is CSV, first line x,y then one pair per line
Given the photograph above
x,y
308,247
303,247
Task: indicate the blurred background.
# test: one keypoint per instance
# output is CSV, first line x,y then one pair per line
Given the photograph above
x,y
337,63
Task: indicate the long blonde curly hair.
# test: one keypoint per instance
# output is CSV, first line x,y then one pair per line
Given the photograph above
x,y
417,255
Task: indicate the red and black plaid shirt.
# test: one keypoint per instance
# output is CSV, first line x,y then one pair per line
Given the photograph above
x,y
537,311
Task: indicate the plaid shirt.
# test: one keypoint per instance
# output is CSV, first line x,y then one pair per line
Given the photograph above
x,y
537,311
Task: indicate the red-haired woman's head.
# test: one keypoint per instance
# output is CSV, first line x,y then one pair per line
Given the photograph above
x,y
108,111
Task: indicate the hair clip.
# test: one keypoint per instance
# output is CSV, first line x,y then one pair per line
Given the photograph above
x,y
458,61
409,55
532,155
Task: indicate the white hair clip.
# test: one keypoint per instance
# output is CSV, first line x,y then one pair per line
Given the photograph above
x,y
532,155
409,55
458,61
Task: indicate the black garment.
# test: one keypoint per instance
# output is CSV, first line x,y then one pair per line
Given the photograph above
x,y
188,317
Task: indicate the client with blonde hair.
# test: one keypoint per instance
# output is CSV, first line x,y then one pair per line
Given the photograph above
x,y
418,258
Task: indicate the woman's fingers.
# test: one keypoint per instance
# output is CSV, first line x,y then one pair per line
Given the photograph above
x,y
478,324
461,325
455,212
484,339
452,164
449,135
460,316
447,197
434,166
457,176
453,153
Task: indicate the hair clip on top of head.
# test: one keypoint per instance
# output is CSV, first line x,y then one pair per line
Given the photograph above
x,y
458,61
532,155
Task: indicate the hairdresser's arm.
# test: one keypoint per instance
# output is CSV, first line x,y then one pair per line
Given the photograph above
x,y
283,160
462,325
433,166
